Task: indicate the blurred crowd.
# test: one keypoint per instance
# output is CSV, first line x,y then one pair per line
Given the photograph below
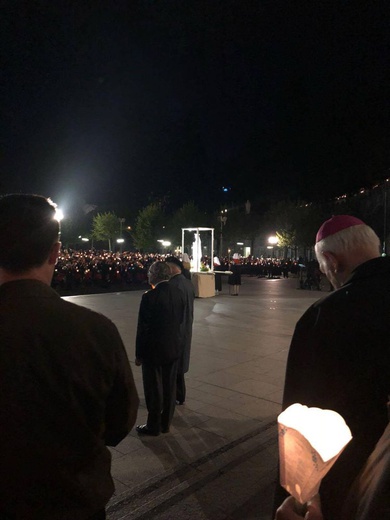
x,y
104,270
101,269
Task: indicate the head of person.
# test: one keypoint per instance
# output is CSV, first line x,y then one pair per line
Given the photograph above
x,y
175,265
158,272
29,233
342,244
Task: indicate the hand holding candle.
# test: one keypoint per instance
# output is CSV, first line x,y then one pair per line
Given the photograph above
x,y
310,441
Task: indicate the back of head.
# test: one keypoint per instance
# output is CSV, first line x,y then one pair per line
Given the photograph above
x,y
176,266
28,230
347,236
159,272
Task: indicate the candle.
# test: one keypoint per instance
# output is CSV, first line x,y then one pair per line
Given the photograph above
x,y
310,441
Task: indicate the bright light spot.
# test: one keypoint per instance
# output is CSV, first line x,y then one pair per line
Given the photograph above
x,y
120,240
59,215
165,243
273,240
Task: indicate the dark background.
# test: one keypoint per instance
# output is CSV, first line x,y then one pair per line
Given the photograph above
x,y
116,103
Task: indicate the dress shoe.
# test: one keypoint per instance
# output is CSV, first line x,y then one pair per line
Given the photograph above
x,y
143,429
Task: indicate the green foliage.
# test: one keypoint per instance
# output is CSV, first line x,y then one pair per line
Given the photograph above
x,y
105,226
149,227
189,215
295,223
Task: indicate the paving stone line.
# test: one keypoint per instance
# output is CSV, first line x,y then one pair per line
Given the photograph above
x,y
171,487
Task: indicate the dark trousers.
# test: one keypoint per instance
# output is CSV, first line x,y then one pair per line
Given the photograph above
x,y
160,394
180,388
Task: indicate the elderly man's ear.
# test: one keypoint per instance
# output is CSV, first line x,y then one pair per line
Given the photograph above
x,y
332,261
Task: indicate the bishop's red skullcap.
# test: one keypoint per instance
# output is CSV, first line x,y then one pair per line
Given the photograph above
x,y
336,224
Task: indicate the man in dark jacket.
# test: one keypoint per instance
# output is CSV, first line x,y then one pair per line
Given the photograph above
x,y
67,390
185,286
158,348
339,357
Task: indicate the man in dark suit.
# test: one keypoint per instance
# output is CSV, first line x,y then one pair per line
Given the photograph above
x,y
179,280
158,348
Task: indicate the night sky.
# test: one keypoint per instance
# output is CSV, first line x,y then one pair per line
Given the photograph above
x,y
121,102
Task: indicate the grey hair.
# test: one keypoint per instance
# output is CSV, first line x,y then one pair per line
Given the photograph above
x,y
360,238
160,271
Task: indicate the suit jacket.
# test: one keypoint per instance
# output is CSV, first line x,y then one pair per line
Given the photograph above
x,y
160,319
186,287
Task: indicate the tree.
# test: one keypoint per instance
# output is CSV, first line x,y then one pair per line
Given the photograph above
x,y
189,215
148,227
295,223
105,226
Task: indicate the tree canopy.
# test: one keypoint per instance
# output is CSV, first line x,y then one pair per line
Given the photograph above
x,y
106,226
149,227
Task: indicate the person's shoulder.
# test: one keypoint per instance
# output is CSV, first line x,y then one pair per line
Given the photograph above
x,y
73,313
182,282
330,303
330,299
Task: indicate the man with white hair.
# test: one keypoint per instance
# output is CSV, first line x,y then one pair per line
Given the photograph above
x,y
158,348
339,357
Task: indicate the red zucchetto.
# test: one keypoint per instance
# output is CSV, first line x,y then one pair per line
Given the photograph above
x,y
336,224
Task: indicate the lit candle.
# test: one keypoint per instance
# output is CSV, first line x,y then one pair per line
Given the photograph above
x,y
310,441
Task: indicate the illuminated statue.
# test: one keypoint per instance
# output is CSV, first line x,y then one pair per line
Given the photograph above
x,y
196,252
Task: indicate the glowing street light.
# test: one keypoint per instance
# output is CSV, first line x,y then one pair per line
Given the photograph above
x,y
120,241
273,241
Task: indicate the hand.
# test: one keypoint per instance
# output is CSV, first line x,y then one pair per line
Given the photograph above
x,y
138,362
287,510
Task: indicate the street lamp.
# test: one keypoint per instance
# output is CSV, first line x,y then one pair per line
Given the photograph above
x,y
121,222
272,240
120,241
222,218
165,243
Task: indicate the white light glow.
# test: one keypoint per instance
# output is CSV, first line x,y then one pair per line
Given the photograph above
x,y
59,215
324,429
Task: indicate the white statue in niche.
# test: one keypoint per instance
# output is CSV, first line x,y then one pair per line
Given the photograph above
x,y
196,252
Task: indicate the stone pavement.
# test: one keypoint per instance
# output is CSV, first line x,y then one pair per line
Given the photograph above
x,y
219,460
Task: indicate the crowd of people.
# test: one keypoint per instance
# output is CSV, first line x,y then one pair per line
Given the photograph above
x,y
77,270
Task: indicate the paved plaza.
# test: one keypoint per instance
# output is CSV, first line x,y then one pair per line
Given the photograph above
x,y
219,460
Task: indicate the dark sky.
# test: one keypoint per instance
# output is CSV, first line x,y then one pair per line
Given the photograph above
x,y
120,102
